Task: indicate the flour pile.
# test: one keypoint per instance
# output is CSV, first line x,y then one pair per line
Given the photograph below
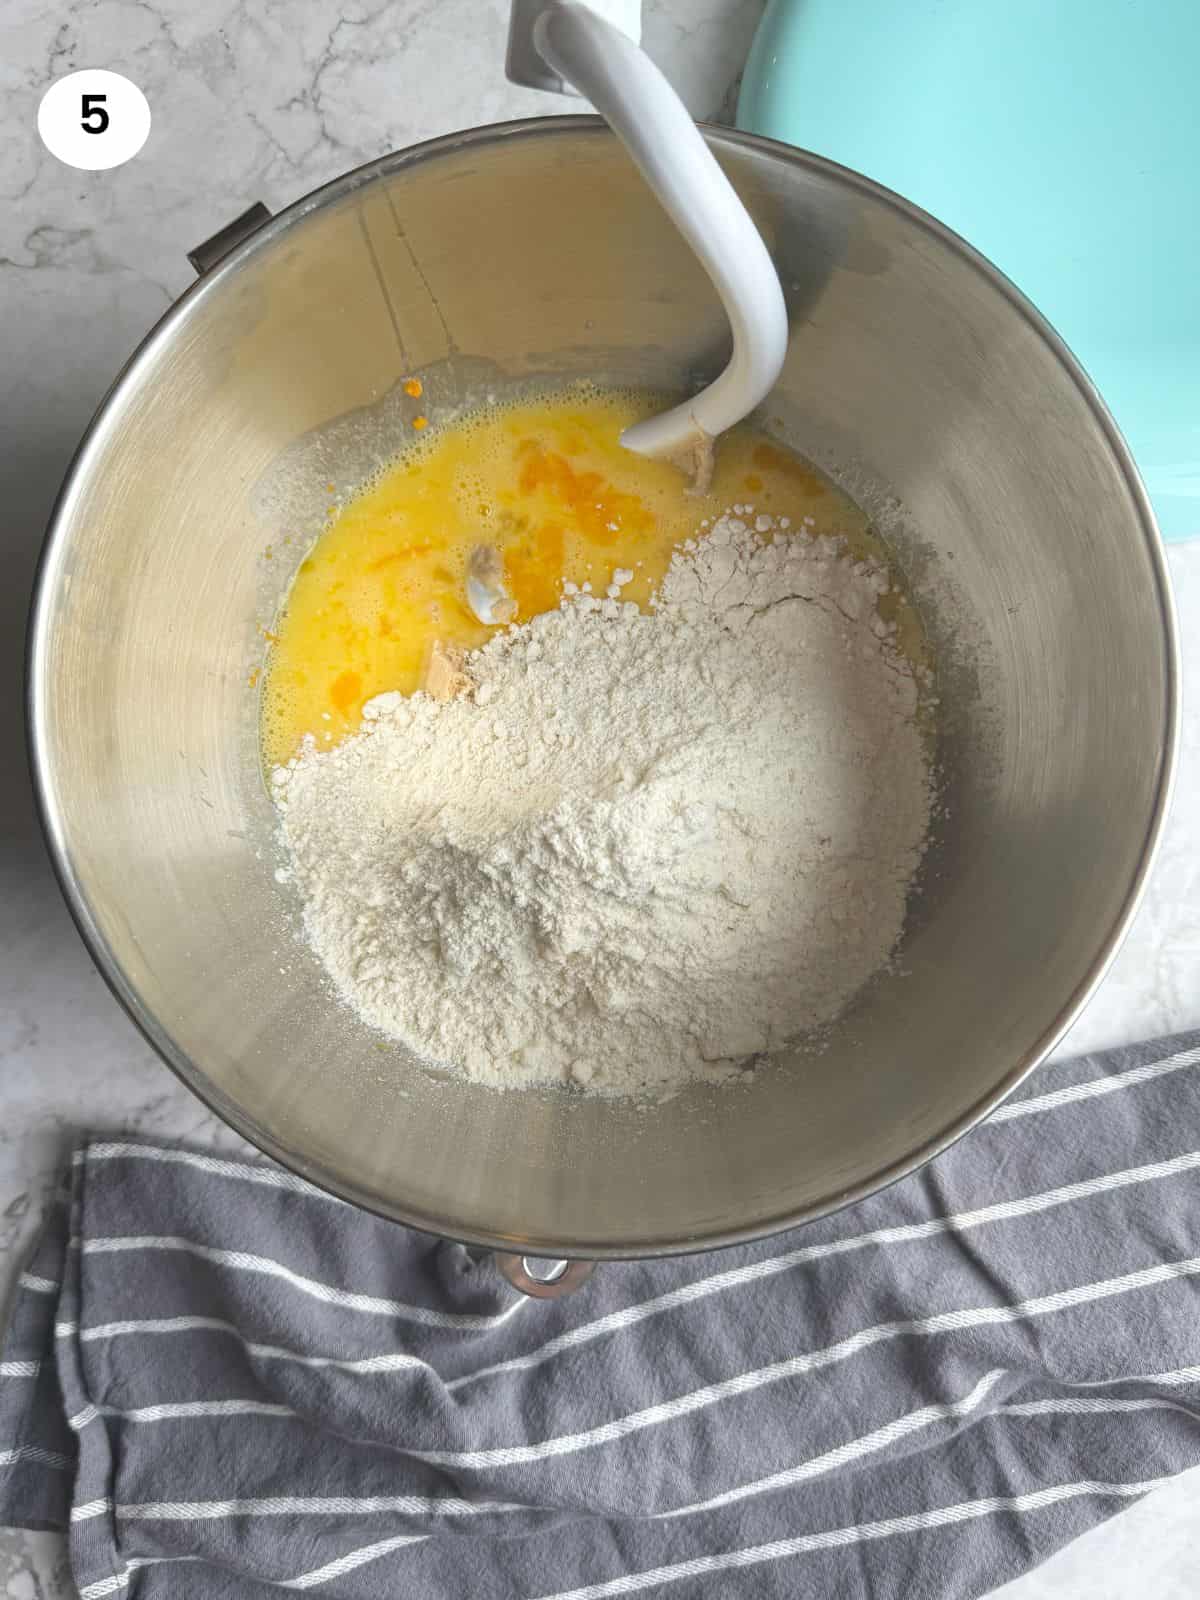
x,y
646,847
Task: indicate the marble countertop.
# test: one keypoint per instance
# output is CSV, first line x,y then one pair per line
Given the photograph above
x,y
265,102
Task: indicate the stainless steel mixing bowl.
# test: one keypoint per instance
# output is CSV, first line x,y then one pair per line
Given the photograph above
x,y
916,375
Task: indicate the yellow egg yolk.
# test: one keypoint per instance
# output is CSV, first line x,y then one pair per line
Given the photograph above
x,y
546,483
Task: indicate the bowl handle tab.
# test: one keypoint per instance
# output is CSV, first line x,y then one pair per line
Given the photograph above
x,y
205,256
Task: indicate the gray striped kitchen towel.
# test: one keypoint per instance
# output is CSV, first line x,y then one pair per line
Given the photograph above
x,y
225,1382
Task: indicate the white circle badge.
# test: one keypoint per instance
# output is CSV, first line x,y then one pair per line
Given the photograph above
x,y
93,119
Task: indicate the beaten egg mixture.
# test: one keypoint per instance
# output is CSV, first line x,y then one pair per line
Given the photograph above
x,y
546,483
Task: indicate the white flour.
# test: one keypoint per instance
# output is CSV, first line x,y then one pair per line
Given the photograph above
x,y
648,847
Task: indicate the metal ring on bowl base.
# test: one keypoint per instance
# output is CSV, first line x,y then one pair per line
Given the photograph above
x,y
542,1278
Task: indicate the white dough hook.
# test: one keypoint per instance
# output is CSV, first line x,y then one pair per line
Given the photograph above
x,y
608,67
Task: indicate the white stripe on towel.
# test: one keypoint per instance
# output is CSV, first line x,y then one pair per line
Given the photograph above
x,y
348,1562
170,1410
1077,1405
266,1266
93,1508
902,1233
392,1360
95,1591
36,1285
816,1466
1179,1375
861,1533
810,1361
853,1450
33,1452
246,1171
306,1580
20,1369
406,1505
1111,1083
386,1361
712,1394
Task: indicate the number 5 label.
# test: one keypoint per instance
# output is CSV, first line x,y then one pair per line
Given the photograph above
x,y
93,119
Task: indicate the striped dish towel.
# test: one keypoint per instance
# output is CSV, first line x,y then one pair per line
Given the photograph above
x,y
225,1382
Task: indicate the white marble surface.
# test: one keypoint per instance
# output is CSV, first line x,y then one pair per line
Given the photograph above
x,y
265,101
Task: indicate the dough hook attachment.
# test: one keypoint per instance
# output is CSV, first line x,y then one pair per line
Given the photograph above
x,y
562,44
